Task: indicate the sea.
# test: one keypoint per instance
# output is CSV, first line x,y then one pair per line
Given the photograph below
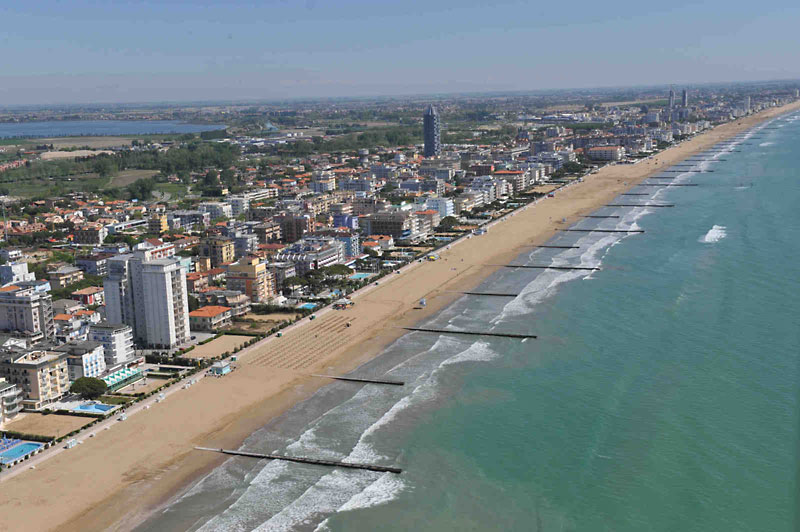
x,y
660,395
84,128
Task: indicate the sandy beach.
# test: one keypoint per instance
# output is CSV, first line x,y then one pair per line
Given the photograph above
x,y
114,479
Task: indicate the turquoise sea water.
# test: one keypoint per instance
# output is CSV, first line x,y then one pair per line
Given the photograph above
x,y
661,394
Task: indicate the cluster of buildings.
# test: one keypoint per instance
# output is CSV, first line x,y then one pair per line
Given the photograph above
x,y
148,274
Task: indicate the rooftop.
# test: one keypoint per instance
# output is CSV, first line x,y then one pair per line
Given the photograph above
x,y
209,311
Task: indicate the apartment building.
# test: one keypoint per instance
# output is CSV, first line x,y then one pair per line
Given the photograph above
x,y
157,224
10,401
15,272
86,359
41,375
150,296
64,276
91,234
251,277
26,312
117,342
219,249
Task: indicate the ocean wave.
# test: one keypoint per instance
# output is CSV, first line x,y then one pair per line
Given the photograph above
x,y
715,234
763,144
338,491
382,491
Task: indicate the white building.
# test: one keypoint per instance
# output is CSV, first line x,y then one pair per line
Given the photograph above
x,y
444,206
15,272
150,296
86,359
117,342
216,209
27,312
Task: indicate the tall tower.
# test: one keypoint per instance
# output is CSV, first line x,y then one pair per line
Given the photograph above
x,y
431,132
150,296
747,104
671,98
685,98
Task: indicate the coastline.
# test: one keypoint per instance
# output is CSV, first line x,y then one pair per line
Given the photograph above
x,y
139,465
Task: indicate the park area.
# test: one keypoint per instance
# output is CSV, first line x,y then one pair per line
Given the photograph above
x,y
218,346
50,425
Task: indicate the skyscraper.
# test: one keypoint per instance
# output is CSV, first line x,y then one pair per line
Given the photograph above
x,y
671,98
685,98
150,296
432,134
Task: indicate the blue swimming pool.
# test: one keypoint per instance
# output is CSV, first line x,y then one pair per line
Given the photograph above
x,y
359,276
93,408
18,451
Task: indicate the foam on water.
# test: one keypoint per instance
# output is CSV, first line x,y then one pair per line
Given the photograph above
x,y
766,144
715,234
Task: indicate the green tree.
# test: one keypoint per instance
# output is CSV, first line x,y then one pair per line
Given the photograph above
x,y
211,179
89,387
447,223
228,177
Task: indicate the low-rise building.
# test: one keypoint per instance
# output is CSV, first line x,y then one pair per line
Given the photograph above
x,y
233,299
65,276
91,295
606,153
210,318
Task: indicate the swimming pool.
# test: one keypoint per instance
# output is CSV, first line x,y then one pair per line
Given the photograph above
x,y
18,451
359,276
95,408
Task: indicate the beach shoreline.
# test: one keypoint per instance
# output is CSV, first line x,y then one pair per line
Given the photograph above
x,y
118,478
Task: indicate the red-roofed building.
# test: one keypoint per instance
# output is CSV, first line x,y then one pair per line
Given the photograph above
x,y
209,318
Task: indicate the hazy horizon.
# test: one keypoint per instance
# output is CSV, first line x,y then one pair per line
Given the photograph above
x,y
177,51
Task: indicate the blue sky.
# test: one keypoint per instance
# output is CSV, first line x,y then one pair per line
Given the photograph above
x,y
81,51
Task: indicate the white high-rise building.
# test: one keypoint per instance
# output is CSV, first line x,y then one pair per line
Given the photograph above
x,y
150,296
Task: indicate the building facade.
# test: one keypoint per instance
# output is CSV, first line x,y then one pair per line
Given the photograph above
x,y
117,342
251,277
432,132
150,296
42,375
26,312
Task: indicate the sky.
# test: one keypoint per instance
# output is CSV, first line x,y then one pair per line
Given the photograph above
x,y
78,51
